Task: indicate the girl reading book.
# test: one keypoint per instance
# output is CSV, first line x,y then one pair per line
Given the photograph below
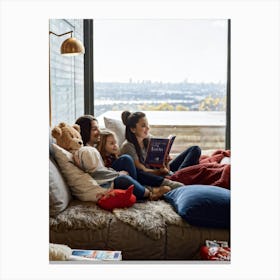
x,y
137,139
109,150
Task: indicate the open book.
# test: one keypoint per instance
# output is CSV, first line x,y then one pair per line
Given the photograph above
x,y
158,150
95,255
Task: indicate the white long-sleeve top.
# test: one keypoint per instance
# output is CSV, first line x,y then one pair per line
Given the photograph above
x,y
91,162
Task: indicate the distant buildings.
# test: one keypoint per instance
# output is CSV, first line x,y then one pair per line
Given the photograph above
x,y
147,95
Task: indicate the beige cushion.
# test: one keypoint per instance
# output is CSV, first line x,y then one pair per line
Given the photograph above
x,y
116,126
59,193
82,185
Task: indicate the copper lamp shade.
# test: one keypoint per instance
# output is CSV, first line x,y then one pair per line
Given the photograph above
x,y
72,46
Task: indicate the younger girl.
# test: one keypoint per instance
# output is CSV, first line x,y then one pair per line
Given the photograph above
x,y
108,147
137,138
109,150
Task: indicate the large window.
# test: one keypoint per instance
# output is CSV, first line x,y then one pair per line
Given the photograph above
x,y
66,74
175,66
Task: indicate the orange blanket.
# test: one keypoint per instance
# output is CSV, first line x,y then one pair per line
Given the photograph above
x,y
208,172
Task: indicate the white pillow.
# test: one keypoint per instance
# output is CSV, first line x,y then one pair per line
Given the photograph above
x,y
82,185
116,126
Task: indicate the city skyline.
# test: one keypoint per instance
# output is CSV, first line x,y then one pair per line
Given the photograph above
x,y
134,81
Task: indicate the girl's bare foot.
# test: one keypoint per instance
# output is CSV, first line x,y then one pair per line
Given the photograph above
x,y
157,193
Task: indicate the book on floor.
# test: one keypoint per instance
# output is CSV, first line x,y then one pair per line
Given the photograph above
x,y
95,255
158,150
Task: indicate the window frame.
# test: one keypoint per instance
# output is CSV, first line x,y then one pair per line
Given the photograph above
x,y
88,68
228,90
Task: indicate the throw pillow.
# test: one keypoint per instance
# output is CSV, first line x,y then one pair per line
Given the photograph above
x,y
59,194
116,126
120,199
82,185
202,205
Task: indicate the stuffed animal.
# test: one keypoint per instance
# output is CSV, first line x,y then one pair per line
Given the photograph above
x,y
119,199
69,138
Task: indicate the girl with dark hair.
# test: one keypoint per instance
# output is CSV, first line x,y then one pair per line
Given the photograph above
x,y
137,139
89,129
124,165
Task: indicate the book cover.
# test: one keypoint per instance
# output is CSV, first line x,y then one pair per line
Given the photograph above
x,y
158,150
95,255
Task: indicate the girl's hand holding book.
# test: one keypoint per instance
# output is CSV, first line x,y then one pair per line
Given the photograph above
x,y
168,158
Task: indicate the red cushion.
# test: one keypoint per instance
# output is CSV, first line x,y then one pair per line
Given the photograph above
x,y
121,199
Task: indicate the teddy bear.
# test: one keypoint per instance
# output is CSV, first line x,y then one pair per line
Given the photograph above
x,y
69,138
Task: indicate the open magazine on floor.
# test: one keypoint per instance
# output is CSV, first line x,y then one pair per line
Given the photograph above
x,y
95,255
158,150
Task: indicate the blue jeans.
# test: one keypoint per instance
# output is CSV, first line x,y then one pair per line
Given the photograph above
x,y
149,179
126,163
187,158
124,181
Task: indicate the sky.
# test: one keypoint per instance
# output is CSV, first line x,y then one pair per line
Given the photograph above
x,y
160,50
